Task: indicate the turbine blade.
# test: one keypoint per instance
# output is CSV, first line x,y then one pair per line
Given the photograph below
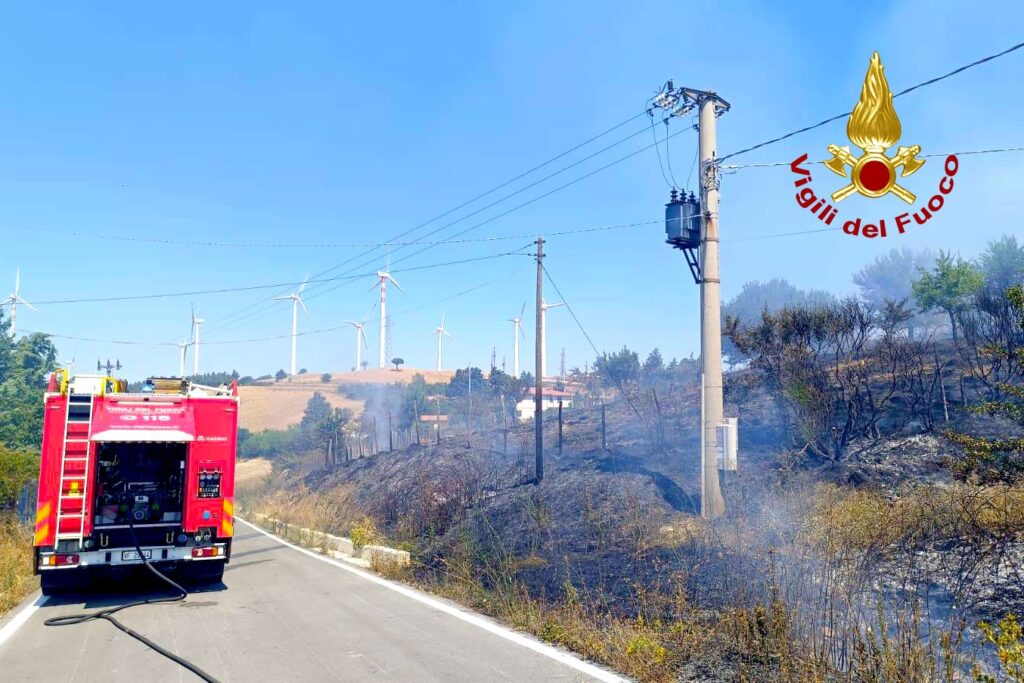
x,y
304,281
276,298
303,304
17,281
522,310
395,283
25,303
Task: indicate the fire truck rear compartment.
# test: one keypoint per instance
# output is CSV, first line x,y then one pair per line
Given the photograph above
x,y
141,482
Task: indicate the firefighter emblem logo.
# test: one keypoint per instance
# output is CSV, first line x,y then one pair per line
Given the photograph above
x,y
874,127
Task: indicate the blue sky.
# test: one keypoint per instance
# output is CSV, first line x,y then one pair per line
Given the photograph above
x,y
322,123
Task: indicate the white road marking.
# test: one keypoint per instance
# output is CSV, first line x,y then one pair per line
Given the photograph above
x,y
20,618
477,620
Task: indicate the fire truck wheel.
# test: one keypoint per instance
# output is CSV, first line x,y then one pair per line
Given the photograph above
x,y
204,572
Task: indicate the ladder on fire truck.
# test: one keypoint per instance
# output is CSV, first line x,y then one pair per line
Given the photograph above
x,y
74,468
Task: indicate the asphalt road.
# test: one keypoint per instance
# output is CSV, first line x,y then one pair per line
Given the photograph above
x,y
282,615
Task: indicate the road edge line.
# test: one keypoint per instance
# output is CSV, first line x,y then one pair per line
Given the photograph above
x,y
19,619
478,620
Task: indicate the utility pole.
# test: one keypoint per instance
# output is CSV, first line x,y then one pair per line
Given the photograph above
x,y
679,102
538,399
712,503
469,404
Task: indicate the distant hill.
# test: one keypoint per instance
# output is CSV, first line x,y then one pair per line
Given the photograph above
x,y
277,405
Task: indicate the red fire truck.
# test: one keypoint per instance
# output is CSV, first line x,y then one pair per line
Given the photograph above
x,y
122,472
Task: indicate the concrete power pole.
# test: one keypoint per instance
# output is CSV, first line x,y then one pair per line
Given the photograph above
x,y
538,399
679,102
712,502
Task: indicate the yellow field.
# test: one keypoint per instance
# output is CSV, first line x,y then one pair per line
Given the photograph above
x,y
279,405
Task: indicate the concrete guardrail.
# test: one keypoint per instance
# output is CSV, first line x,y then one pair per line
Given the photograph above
x,y
338,546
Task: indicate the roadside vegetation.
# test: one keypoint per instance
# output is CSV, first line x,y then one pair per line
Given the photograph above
x,y
23,367
876,527
16,579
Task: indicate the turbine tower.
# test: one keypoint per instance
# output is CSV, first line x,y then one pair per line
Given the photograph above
x,y
517,330
382,281
360,341
14,299
441,333
196,322
296,299
183,349
544,306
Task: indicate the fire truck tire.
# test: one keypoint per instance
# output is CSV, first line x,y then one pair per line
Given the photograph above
x,y
204,572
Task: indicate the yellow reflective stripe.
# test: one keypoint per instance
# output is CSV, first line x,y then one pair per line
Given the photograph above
x,y
227,523
41,534
43,513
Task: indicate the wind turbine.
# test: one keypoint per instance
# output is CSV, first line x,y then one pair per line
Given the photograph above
x,y
183,348
14,299
196,322
382,281
441,333
517,325
296,299
544,306
360,341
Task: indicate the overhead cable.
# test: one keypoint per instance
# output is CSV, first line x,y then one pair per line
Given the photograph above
x,y
905,91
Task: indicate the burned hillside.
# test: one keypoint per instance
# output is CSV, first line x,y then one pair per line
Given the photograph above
x,y
879,488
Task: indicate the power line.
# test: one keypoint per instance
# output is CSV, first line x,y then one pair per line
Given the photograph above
x,y
668,157
732,168
281,336
508,211
340,245
905,91
568,307
477,211
165,295
661,166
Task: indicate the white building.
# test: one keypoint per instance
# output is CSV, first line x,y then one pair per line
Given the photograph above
x,y
549,399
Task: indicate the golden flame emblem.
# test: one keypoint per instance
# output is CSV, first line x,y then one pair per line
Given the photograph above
x,y
874,127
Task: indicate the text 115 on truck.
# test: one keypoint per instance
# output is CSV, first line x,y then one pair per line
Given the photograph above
x,y
156,468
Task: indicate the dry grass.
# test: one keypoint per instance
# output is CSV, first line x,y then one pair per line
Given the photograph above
x,y
810,613
669,635
252,472
872,527
281,405
332,512
16,579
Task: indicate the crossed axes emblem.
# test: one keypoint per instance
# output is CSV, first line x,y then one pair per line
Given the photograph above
x,y
878,180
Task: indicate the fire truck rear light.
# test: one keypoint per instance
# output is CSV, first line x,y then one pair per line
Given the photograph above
x,y
60,560
207,552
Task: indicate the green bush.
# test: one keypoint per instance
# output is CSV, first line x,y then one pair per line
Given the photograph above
x,y
17,468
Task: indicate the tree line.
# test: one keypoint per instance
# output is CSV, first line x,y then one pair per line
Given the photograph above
x,y
926,332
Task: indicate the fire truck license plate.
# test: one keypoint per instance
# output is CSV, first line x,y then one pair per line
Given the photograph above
x,y
133,555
